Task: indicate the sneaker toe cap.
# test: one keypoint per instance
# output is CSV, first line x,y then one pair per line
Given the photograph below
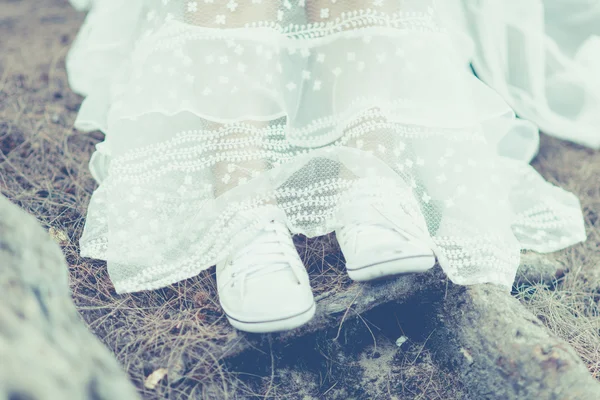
x,y
266,300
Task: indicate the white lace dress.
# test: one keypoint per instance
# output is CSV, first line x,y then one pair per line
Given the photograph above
x,y
214,109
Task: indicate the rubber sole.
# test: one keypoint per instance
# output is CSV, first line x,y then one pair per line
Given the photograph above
x,y
283,324
409,265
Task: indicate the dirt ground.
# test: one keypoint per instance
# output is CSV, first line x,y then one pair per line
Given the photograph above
x,y
43,168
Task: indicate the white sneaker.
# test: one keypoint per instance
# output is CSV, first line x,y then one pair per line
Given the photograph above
x,y
264,287
375,247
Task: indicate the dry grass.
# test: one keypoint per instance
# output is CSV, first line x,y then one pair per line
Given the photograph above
x,y
43,168
572,309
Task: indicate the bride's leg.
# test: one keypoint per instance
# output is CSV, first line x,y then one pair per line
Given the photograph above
x,y
227,14
271,298
240,154
370,131
329,10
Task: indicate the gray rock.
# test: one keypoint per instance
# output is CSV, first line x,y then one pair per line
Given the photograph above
x,y
502,351
46,351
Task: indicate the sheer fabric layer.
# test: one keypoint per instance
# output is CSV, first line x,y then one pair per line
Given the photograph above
x,y
542,56
214,110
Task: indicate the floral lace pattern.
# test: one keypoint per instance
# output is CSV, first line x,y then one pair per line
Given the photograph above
x,y
214,109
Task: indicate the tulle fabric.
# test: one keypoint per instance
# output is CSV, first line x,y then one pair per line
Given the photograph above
x,y
542,56
216,110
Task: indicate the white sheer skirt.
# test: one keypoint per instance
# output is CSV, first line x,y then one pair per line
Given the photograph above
x,y
542,56
214,110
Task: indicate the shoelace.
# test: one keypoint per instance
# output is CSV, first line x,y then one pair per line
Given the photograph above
x,y
271,251
355,225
